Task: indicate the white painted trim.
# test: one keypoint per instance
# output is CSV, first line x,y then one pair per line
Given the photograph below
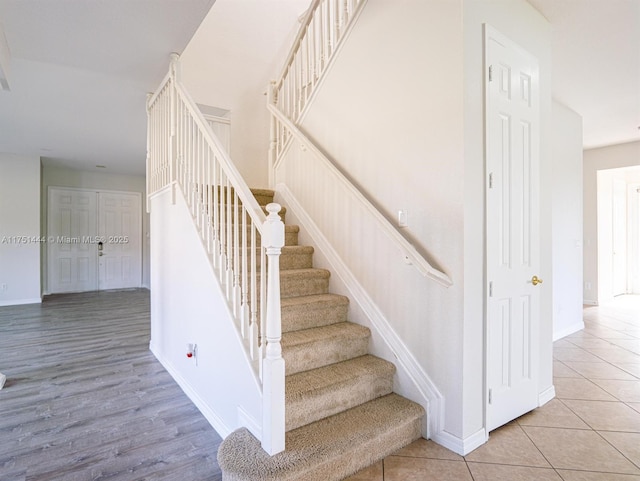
x,y
461,446
575,327
547,395
429,395
221,428
20,302
248,421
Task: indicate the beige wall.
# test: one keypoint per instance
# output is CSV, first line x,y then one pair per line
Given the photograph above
x,y
566,193
237,50
19,229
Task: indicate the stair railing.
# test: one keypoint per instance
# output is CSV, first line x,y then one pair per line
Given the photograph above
x,y
242,243
321,33
319,36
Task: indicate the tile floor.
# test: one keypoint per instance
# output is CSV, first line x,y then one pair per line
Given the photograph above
x,y
589,432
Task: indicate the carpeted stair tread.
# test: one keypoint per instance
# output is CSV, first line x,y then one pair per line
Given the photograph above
x,y
304,282
263,196
304,312
327,450
321,346
322,392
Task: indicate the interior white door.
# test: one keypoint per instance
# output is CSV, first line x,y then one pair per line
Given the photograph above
x,y
119,248
512,229
72,257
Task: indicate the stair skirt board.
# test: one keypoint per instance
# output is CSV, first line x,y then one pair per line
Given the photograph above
x,y
410,380
341,412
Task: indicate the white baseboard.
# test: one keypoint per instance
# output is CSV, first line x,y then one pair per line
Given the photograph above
x,y
248,421
20,302
547,395
461,446
575,327
589,302
221,428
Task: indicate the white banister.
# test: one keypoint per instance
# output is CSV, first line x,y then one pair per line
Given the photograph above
x,y
185,154
321,31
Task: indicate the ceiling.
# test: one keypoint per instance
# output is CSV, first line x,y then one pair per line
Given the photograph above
x,y
80,73
81,69
596,65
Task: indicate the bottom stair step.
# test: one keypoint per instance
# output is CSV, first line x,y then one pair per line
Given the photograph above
x,y
330,449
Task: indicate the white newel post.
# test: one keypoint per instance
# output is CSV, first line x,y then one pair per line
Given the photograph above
x,y
273,408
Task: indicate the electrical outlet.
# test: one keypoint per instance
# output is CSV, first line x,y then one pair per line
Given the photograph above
x,y
402,218
3,288
587,286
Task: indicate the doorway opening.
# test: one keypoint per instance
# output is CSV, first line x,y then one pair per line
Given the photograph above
x,y
618,200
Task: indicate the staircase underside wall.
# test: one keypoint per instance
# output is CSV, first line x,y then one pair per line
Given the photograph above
x,y
187,306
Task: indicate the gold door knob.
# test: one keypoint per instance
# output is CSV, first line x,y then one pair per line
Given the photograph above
x,y
535,280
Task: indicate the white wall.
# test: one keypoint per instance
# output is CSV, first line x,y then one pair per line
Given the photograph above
x,y
187,306
238,49
81,179
611,157
390,115
19,216
566,191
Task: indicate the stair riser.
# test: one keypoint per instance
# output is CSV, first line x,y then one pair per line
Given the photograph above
x,y
322,353
307,286
305,317
341,398
290,261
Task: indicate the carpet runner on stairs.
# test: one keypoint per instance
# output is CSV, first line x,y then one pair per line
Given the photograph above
x,y
341,413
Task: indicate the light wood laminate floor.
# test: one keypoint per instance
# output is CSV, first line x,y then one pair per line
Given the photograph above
x,y
86,400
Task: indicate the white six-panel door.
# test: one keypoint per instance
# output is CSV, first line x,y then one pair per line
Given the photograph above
x,y
119,257
72,258
93,240
512,236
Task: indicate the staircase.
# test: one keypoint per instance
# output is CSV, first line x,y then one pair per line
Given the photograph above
x,y
341,412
